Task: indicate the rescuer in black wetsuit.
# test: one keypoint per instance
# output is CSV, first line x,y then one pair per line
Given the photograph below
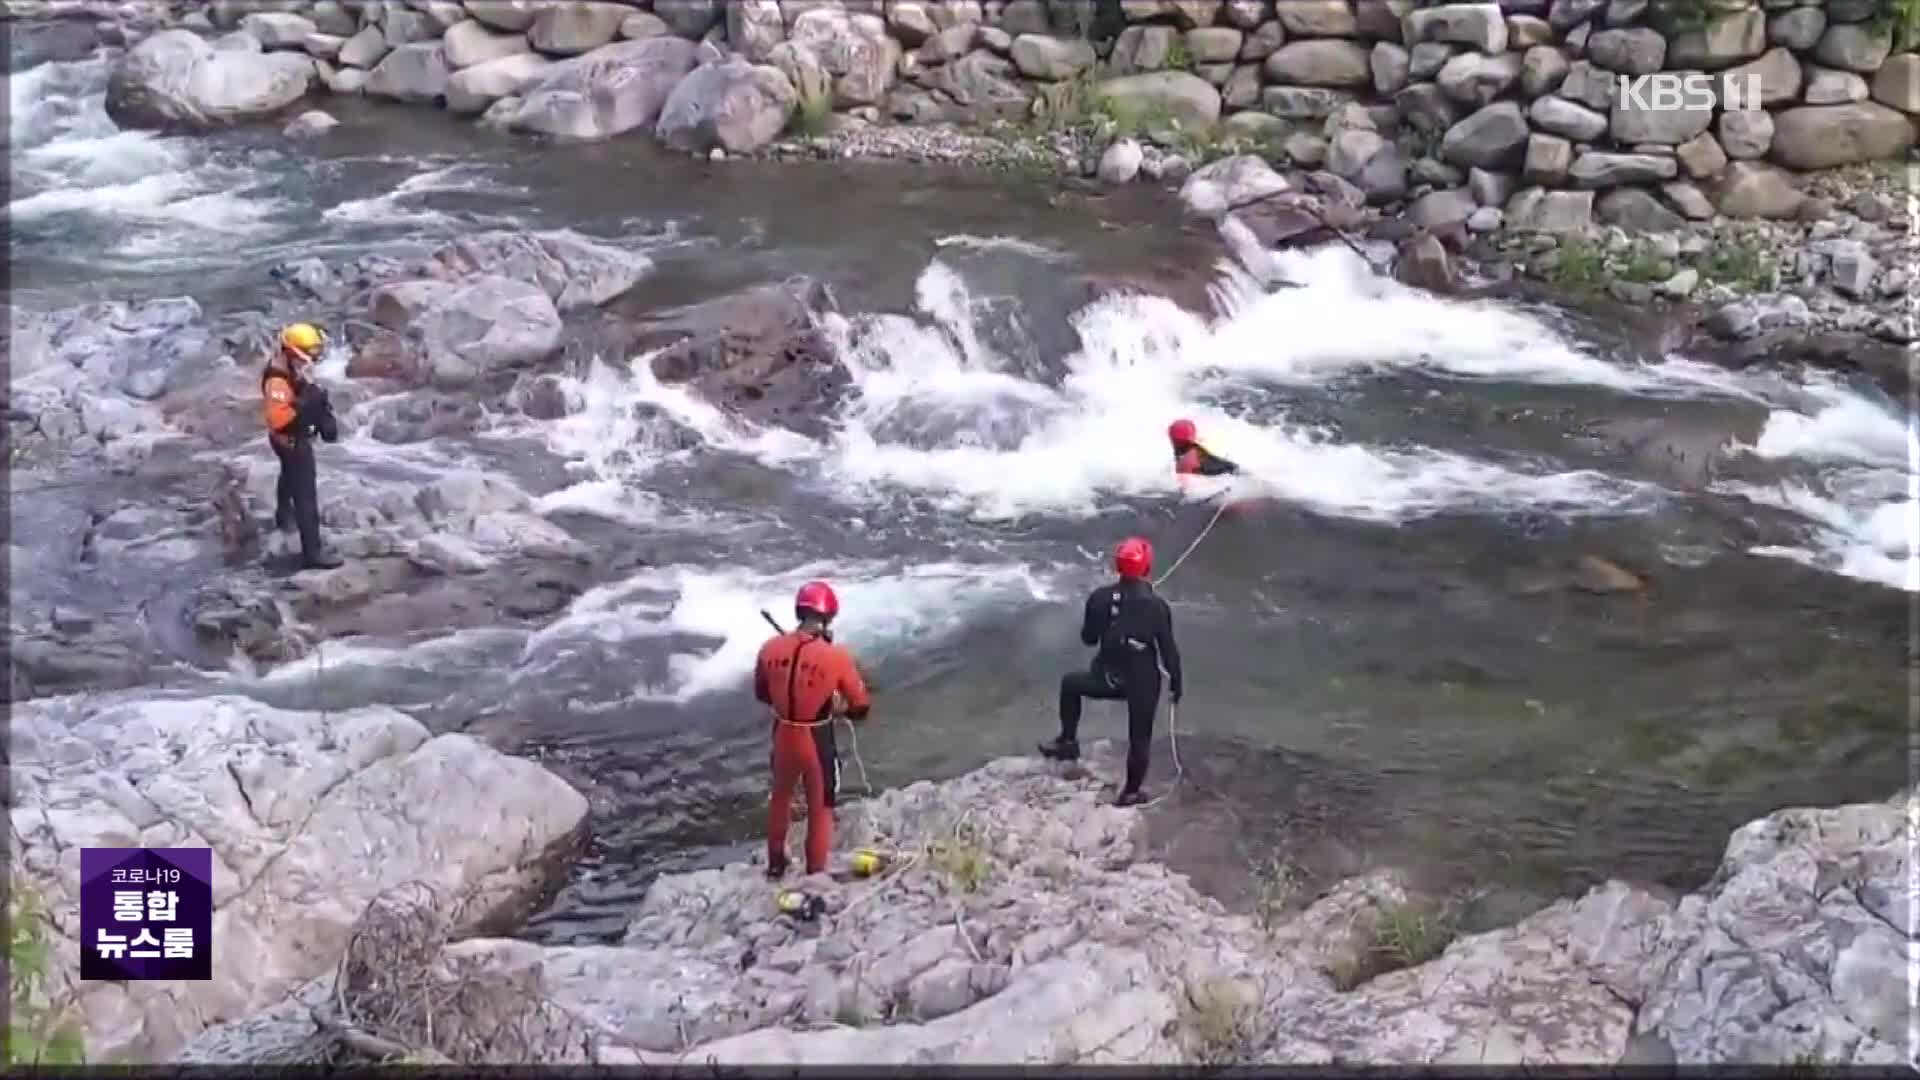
x,y
1192,459
1133,629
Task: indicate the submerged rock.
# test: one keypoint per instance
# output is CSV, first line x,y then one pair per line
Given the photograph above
x,y
760,352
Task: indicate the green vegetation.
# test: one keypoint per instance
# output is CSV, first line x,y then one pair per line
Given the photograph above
x,y
1580,265
1178,58
812,116
39,1031
1218,1024
1740,264
1585,266
1399,936
1902,18
1646,266
850,1015
962,860
1277,883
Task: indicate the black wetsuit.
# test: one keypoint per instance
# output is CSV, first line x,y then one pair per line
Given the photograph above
x,y
1193,459
1133,628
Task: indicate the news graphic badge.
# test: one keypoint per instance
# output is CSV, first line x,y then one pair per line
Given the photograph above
x,y
146,913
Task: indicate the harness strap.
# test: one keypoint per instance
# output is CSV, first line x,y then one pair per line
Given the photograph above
x,y
793,699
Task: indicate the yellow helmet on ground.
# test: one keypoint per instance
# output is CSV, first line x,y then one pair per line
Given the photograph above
x,y
304,340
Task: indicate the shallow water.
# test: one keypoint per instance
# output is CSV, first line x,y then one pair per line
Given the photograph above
x,y
1385,661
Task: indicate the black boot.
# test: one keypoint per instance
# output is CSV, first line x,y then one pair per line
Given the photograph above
x,y
1061,749
324,560
776,870
1131,798
283,518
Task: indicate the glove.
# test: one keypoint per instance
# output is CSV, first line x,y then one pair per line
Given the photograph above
x,y
1174,695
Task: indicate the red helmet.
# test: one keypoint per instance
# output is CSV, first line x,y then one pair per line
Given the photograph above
x,y
1133,558
1182,431
817,597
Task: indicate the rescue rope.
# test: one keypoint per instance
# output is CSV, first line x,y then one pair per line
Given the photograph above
x,y
1173,711
853,737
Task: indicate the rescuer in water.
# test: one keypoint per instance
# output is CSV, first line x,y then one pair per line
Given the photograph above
x,y
1192,459
798,675
295,410
1132,628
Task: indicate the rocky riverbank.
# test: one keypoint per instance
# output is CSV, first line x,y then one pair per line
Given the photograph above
x,y
309,815
1020,922
1499,130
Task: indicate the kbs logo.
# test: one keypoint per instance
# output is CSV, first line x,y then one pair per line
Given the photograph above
x,y
1668,91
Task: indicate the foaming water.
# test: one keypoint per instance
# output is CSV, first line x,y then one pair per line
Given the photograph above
x,y
1011,445
718,613
78,170
704,622
1862,507
400,206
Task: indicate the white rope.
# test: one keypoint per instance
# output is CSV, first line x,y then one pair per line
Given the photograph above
x,y
853,738
1211,522
1173,711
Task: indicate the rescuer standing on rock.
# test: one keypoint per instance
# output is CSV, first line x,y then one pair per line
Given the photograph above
x,y
1133,628
798,675
295,410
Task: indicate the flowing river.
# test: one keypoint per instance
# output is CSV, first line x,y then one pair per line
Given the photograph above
x,y
1387,663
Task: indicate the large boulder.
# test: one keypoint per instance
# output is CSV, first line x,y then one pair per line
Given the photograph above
x,y
412,73
756,27
175,79
1858,47
278,29
1181,96
1780,77
1320,62
1629,52
1478,26
1753,189
1823,136
1494,137
576,27
512,16
1049,58
733,106
852,47
1536,210
1562,117
1641,121
1474,80
471,90
470,42
310,815
1223,185
607,92
1727,38
1599,170
364,49
464,332
1897,85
